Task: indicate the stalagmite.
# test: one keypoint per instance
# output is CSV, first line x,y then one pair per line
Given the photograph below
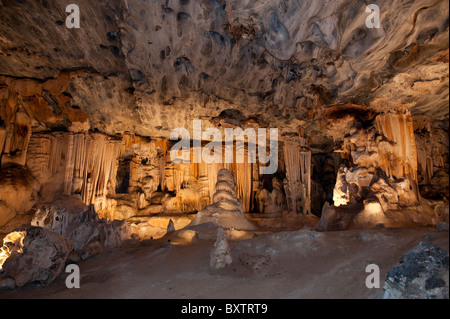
x,y
388,146
344,193
74,163
162,159
170,227
220,255
432,157
226,209
274,202
213,170
142,172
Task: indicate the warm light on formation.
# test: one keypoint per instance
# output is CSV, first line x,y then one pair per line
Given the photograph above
x,y
226,149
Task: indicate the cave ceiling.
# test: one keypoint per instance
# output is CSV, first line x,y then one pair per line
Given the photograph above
x,y
148,67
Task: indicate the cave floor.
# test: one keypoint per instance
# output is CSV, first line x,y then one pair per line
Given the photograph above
x,y
298,264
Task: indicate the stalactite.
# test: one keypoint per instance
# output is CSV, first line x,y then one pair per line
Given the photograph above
x,y
80,146
292,162
70,166
213,169
256,185
398,155
39,156
432,158
87,162
305,164
162,161
202,177
426,165
244,180
298,173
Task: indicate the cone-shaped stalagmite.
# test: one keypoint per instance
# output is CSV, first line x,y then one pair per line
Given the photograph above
x,y
226,210
220,255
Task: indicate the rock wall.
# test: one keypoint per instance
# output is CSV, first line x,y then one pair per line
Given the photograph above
x,y
88,112
127,176
380,166
385,150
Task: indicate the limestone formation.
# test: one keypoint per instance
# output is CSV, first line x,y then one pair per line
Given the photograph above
x,y
274,202
336,218
18,192
220,256
422,274
92,116
170,227
298,175
73,163
226,210
89,234
33,254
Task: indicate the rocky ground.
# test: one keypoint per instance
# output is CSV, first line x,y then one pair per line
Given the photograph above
x,y
298,264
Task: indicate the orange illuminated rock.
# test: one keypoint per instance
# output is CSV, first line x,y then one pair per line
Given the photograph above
x,y
33,254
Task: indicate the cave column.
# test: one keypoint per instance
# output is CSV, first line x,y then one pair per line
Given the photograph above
x,y
298,174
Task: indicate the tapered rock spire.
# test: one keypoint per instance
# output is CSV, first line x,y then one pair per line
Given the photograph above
x,y
226,210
